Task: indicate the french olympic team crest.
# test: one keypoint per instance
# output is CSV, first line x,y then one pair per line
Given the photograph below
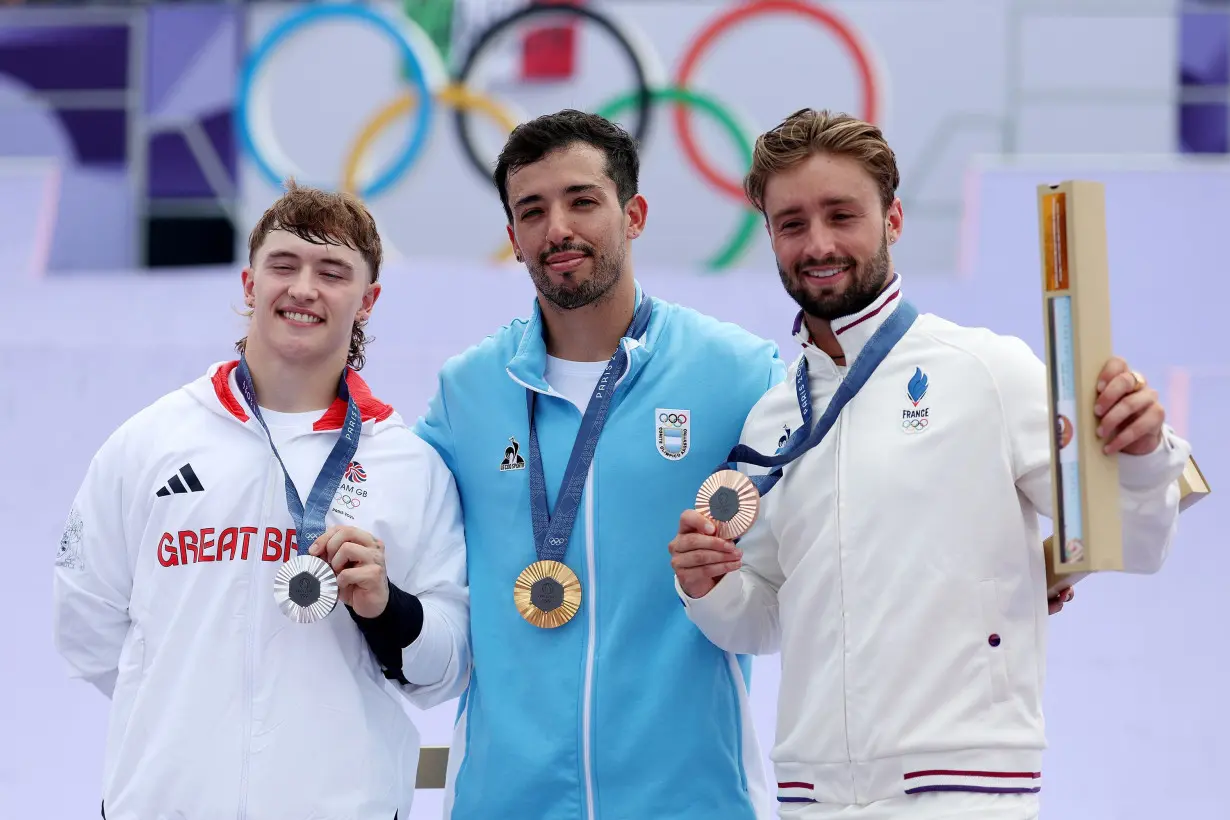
x,y
673,432
916,419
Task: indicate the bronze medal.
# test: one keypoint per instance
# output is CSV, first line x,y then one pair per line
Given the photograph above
x,y
547,594
731,501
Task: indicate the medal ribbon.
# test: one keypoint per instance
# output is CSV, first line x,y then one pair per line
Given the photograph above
x,y
552,530
806,437
310,523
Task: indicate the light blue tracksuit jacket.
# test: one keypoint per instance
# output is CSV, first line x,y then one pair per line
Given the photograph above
x,y
626,712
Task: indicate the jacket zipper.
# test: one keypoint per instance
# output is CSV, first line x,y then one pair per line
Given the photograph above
x,y
845,627
586,718
249,667
587,764
592,642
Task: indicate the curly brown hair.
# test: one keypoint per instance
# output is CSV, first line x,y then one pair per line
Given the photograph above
x,y
323,217
807,132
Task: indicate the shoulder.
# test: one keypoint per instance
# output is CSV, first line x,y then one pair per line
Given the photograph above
x,y
152,424
685,326
492,353
1007,360
777,400
405,452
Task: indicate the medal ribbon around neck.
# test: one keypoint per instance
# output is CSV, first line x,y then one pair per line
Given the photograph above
x,y
309,520
733,498
548,593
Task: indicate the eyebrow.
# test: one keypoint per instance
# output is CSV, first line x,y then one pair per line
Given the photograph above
x,y
293,257
580,188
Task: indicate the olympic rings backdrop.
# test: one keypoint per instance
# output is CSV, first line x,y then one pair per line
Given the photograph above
x,y
357,97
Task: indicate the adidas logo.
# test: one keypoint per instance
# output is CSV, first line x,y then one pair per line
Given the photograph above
x,y
175,485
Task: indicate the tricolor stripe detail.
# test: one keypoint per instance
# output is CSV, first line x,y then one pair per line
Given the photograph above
x,y
794,788
963,780
866,316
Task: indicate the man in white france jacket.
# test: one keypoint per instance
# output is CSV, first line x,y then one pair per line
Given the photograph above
x,y
896,565
221,706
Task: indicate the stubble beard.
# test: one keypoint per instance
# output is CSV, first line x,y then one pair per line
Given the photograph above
x,y
606,270
866,281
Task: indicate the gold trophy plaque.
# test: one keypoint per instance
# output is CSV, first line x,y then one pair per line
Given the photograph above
x,y
1076,309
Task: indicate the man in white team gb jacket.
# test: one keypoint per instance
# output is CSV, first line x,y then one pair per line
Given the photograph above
x,y
897,564
224,701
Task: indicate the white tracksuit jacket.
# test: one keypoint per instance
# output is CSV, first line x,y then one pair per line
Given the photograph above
x,y
221,706
898,568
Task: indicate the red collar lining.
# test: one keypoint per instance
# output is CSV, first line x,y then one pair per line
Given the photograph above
x,y
370,408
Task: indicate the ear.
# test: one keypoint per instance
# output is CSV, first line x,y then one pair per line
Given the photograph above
x,y
248,279
637,211
894,221
369,302
512,237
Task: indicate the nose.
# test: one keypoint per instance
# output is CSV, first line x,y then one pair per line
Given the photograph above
x,y
303,287
559,230
821,240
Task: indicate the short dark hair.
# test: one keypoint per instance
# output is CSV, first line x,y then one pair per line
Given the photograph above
x,y
531,141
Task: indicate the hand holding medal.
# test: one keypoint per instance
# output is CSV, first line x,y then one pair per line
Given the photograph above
x,y
357,558
700,555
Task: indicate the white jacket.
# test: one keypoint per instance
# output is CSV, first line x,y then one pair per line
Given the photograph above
x,y
221,706
898,566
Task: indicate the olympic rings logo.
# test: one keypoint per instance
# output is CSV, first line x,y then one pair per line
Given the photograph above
x,y
349,501
430,86
914,425
673,419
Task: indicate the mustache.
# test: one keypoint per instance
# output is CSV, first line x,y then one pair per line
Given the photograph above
x,y
565,247
826,262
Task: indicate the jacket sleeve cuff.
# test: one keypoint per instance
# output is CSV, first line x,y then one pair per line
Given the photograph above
x,y
392,630
1157,469
722,598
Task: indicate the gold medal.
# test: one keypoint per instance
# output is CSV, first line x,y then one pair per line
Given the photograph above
x,y
731,501
547,594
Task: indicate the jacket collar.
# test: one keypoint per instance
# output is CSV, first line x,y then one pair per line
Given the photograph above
x,y
528,365
855,330
370,408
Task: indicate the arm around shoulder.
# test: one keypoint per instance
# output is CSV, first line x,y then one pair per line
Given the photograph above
x,y
92,580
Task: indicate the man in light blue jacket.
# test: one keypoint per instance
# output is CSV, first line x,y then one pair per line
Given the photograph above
x,y
575,437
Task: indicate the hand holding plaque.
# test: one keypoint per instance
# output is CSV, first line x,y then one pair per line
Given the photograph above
x,y
700,555
1129,411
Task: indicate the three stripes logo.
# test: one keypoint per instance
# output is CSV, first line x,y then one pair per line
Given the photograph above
x,y
184,481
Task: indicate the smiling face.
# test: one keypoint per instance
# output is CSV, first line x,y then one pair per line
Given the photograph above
x,y
569,227
830,234
305,299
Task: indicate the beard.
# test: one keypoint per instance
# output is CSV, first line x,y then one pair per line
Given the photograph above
x,y
866,280
572,294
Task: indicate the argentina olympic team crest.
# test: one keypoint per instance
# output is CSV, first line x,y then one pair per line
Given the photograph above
x,y
915,419
350,496
672,432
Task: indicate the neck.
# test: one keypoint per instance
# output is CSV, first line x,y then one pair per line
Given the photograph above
x,y
590,333
823,337
292,387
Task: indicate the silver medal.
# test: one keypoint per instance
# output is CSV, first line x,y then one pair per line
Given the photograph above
x,y
305,589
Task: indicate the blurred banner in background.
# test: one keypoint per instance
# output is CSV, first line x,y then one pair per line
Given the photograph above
x,y
167,128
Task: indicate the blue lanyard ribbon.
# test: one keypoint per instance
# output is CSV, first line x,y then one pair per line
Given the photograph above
x,y
806,437
310,523
552,531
